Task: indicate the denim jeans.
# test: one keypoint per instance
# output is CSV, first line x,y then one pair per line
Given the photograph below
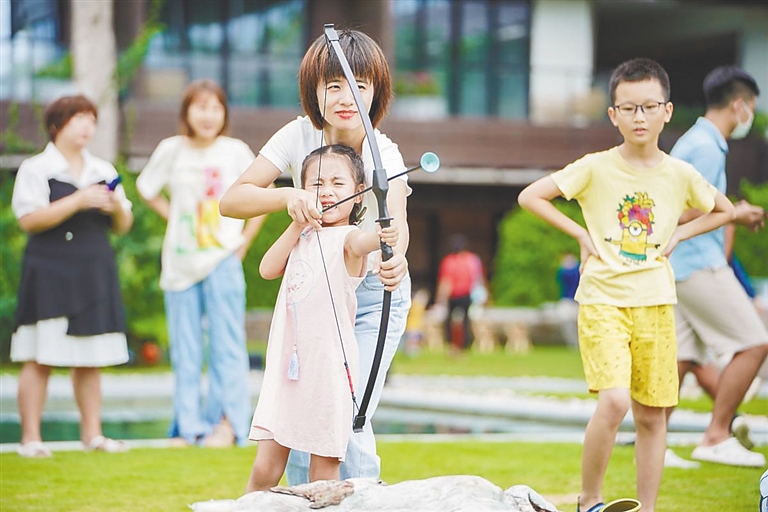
x,y
220,298
361,460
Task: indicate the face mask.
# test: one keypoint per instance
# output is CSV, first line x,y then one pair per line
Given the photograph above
x,y
742,129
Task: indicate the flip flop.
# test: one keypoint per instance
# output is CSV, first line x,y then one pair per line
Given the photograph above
x,y
622,505
105,444
34,450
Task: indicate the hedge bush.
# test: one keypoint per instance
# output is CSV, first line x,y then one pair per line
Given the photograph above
x,y
752,248
11,249
528,257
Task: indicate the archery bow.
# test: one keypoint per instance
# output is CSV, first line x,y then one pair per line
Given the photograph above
x,y
380,189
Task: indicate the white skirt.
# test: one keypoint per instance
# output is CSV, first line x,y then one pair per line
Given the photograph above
x,y
48,343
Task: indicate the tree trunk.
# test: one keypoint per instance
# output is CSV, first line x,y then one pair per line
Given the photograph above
x,y
94,59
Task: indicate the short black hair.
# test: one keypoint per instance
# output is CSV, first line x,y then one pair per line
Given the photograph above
x,y
367,61
726,83
639,70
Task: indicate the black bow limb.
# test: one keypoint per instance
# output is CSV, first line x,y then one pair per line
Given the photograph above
x,y
380,189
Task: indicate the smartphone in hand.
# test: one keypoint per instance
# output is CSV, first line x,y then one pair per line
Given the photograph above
x,y
112,185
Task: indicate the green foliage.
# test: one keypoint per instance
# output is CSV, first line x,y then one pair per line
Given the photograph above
x,y
759,125
752,248
261,293
11,249
138,260
61,69
529,255
12,142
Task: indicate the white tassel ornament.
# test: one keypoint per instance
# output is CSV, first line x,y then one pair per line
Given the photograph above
x,y
293,366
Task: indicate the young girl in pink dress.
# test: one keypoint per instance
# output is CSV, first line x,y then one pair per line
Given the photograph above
x,y
306,397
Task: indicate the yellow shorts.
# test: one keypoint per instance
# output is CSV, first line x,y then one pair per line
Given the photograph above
x,y
632,348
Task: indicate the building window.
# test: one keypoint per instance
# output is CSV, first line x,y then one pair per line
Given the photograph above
x,y
251,47
474,54
31,35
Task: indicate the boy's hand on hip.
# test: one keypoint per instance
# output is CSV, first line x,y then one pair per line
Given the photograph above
x,y
587,249
749,215
673,241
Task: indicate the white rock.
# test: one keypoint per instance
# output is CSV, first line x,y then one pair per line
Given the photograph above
x,y
456,493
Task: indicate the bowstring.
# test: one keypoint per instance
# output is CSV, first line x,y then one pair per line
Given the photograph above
x,y
320,246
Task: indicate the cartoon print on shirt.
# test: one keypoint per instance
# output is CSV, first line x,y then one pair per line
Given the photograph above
x,y
208,209
199,219
635,215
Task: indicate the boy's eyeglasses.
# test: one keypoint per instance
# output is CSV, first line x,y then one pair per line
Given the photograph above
x,y
629,109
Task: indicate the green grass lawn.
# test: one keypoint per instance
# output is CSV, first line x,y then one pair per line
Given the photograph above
x,y
168,480
541,361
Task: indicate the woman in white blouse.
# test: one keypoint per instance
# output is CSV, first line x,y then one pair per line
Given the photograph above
x,y
70,312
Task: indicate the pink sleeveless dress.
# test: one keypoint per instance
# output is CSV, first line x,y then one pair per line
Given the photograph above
x,y
314,413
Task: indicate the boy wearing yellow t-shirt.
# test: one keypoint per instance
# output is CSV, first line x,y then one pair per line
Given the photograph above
x,y
632,197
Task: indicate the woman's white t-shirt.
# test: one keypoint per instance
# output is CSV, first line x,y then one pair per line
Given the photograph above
x,y
293,142
198,237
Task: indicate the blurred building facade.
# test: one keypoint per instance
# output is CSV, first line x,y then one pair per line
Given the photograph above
x,y
503,90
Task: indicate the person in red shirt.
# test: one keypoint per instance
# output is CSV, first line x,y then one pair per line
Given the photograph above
x,y
459,279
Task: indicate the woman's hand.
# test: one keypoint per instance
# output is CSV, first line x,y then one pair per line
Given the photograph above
x,y
302,207
112,205
94,197
392,271
388,235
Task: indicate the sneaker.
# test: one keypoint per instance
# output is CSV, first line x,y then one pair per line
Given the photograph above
x,y
729,452
673,460
740,430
